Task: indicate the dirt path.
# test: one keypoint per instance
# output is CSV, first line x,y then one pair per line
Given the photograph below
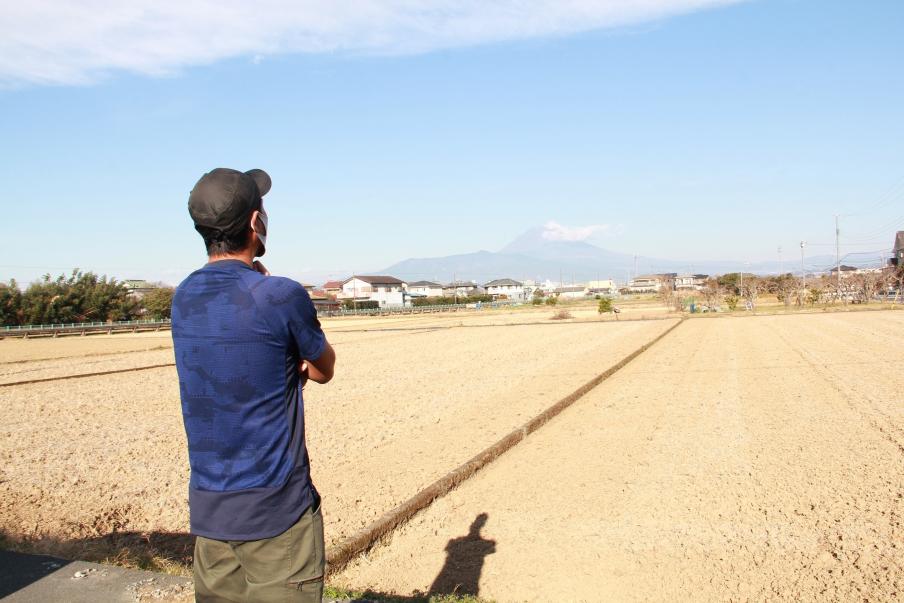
x,y
734,460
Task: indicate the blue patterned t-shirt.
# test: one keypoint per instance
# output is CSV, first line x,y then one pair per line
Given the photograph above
x,y
239,337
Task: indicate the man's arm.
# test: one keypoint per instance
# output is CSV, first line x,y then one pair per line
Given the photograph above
x,y
320,370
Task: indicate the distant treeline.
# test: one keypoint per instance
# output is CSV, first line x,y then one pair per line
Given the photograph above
x,y
79,297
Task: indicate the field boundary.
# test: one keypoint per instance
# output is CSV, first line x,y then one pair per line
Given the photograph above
x,y
341,554
81,375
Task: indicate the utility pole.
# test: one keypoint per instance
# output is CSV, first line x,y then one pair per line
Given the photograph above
x,y
635,266
837,256
781,262
802,271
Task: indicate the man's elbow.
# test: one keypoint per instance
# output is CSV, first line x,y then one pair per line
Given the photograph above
x,y
325,377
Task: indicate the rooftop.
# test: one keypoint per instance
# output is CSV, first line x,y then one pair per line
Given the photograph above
x,y
376,279
424,284
503,282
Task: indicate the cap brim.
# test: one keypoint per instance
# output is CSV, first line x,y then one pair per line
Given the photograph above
x,y
262,179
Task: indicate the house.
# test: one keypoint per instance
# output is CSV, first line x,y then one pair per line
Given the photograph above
x,y
425,289
138,288
333,288
505,288
571,292
690,282
604,287
648,283
386,290
846,271
462,289
897,258
323,302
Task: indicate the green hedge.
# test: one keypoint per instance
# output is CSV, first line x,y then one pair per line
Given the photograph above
x,y
350,304
448,301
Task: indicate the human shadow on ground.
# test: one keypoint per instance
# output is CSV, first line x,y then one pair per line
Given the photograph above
x,y
465,556
172,552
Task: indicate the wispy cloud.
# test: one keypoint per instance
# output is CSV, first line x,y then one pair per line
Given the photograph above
x,y
52,42
553,231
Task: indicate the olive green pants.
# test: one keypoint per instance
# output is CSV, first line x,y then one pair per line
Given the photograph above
x,y
286,568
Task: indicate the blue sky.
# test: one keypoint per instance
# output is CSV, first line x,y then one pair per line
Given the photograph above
x,y
722,131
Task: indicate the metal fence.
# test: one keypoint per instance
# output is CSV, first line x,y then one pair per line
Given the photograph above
x,y
83,328
391,310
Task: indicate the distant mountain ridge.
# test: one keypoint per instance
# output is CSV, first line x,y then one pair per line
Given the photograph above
x,y
533,256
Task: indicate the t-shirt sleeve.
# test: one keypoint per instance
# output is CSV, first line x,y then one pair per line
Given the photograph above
x,y
294,305
305,327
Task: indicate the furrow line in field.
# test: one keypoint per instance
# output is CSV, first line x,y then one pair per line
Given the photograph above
x,y
81,375
339,555
88,355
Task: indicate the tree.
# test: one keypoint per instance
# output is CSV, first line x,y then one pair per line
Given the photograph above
x,y
785,287
712,293
750,290
898,280
605,306
158,302
82,297
729,282
10,304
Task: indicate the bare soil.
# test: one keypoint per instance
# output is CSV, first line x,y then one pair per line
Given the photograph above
x,y
84,459
738,459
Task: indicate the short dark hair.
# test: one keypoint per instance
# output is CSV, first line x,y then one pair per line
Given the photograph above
x,y
220,243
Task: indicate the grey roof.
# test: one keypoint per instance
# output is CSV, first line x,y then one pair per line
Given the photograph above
x,y
376,280
424,284
460,284
503,282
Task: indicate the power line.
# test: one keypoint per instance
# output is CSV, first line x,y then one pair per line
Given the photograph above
x,y
884,199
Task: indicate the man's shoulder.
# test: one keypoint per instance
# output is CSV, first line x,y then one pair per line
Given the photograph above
x,y
277,290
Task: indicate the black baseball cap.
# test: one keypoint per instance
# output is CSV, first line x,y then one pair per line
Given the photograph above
x,y
223,199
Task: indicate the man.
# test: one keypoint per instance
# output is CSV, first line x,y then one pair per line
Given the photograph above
x,y
245,345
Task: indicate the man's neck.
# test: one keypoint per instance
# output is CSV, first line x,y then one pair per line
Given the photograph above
x,y
245,256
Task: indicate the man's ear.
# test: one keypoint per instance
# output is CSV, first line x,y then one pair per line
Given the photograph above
x,y
258,224
259,229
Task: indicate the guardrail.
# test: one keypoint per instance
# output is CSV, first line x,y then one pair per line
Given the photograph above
x,y
83,328
135,326
389,310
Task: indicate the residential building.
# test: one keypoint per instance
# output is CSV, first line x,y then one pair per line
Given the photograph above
x,y
897,258
462,289
648,283
505,288
333,288
571,292
604,287
529,287
425,289
138,288
386,290
692,282
846,271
